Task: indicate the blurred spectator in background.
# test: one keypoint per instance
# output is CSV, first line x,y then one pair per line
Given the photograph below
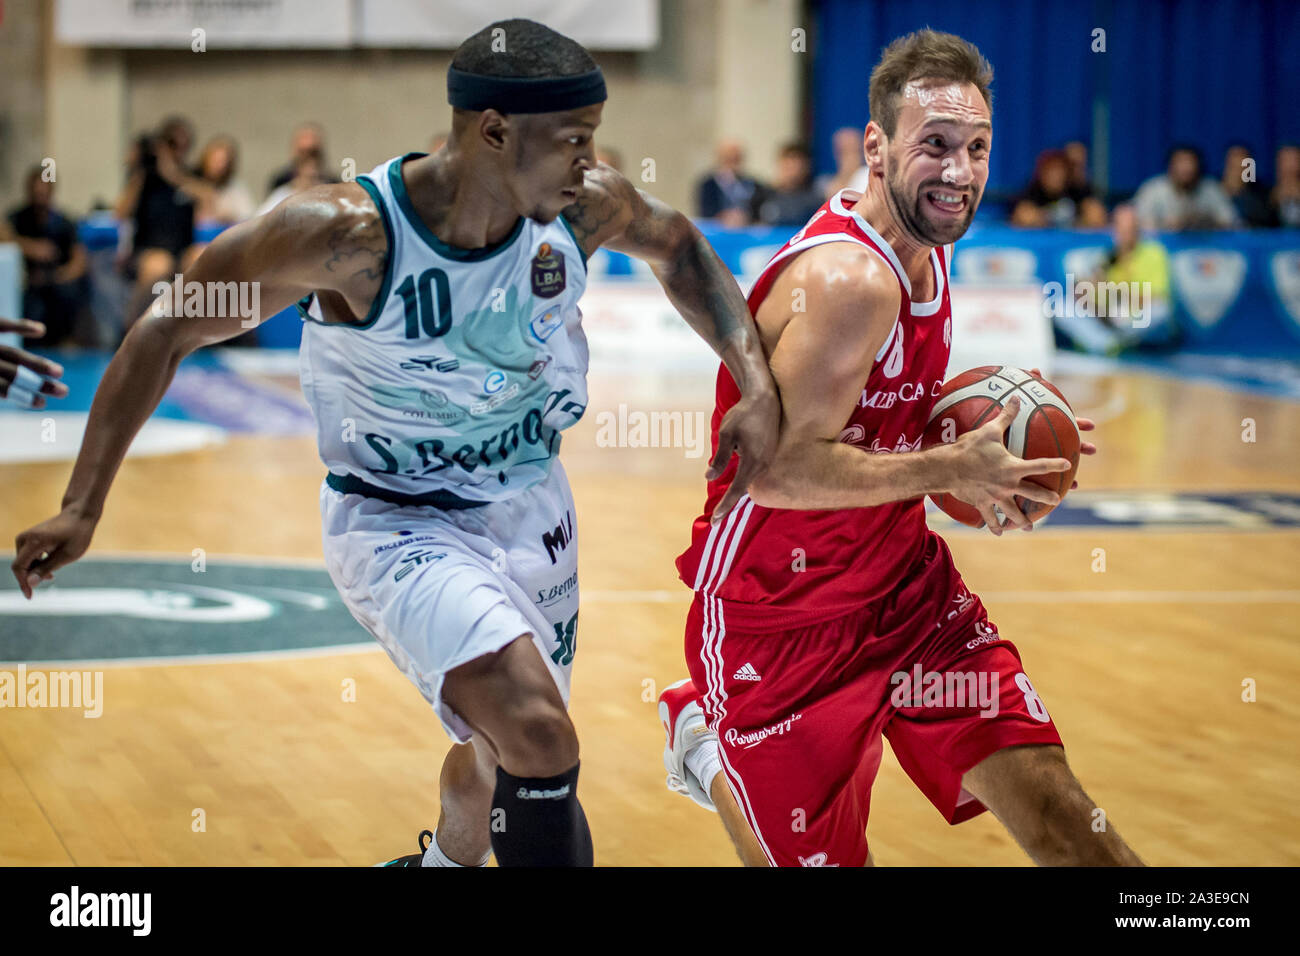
x,y
1051,201
1181,199
1249,198
307,143
1131,294
725,193
1285,198
610,157
1076,154
850,165
226,200
1144,262
54,260
308,172
159,200
792,198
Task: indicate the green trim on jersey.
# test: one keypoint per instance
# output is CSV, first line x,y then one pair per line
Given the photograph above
x,y
423,231
569,226
446,500
377,306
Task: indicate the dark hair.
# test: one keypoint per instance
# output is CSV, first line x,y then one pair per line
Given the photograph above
x,y
795,149
521,48
925,55
1185,148
174,124
216,142
33,174
1047,158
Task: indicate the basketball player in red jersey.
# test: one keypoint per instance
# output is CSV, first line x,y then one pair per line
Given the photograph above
x,y
827,616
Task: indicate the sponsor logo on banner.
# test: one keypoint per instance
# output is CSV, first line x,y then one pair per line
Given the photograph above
x,y
1085,261
1208,281
996,264
1286,281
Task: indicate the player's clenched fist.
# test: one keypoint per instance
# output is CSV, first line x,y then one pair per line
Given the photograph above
x,y
985,475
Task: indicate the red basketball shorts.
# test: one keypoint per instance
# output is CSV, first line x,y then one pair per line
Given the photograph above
x,y
800,714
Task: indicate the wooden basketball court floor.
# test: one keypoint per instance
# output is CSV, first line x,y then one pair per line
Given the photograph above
x,y
1142,665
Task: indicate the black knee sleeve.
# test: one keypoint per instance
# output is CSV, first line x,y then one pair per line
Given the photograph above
x,y
538,821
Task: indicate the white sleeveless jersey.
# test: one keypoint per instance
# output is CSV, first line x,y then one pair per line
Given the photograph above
x,y
467,368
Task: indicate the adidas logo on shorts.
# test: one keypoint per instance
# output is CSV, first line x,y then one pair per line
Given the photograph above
x,y
747,672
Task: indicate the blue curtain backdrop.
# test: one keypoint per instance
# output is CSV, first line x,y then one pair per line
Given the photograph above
x,y
1208,72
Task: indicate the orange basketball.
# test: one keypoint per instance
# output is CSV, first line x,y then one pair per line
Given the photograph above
x,y
1045,428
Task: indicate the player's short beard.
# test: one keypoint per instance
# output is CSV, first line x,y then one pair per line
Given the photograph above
x,y
914,222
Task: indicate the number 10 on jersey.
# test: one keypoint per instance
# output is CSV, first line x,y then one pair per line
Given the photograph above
x,y
417,297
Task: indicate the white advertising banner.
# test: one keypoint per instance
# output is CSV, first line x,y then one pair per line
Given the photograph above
x,y
632,320
224,24
443,24
1000,325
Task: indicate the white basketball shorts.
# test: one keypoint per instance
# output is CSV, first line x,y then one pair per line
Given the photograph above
x,y
438,588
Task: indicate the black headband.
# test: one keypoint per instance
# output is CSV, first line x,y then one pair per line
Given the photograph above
x,y
524,94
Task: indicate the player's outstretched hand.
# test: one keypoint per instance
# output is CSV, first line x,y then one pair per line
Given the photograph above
x,y
987,475
48,546
749,429
26,378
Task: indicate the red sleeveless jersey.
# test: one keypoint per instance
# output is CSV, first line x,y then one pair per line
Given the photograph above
x,y
775,568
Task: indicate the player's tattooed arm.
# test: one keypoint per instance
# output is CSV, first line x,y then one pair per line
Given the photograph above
x,y
358,245
612,212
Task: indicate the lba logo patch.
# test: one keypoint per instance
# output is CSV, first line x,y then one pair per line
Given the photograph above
x,y
548,272
1208,281
1286,280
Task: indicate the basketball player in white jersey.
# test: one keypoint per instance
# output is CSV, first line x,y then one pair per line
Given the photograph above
x,y
442,356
